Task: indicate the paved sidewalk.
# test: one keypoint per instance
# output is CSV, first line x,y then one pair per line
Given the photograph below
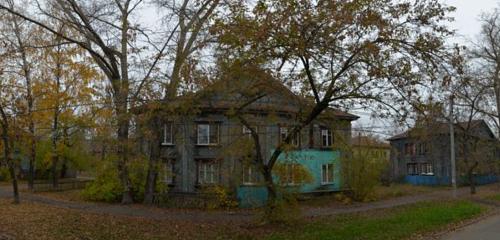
x,y
221,216
487,229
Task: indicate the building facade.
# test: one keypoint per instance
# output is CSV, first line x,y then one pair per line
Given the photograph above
x,y
421,155
212,147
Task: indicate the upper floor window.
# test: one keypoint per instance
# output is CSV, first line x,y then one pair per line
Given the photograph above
x,y
248,132
208,134
409,149
422,149
284,134
326,137
168,138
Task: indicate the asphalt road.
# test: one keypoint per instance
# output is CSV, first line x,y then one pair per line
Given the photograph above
x,y
487,229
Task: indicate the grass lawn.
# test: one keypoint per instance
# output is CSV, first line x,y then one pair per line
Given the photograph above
x,y
400,190
38,221
380,193
495,197
400,223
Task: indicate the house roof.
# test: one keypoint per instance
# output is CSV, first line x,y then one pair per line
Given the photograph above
x,y
232,93
443,128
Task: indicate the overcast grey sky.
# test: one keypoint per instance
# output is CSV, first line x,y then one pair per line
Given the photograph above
x,y
467,25
467,15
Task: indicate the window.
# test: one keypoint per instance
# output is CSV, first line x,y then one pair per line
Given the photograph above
x,y
412,169
284,134
422,149
326,137
248,132
208,172
250,175
327,173
208,134
168,138
409,149
289,177
426,169
169,171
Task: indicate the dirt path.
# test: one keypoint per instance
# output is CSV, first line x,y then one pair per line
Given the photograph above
x,y
221,216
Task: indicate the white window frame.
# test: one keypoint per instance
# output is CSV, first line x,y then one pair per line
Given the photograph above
x,y
209,134
208,173
248,132
427,169
326,137
327,177
249,176
164,141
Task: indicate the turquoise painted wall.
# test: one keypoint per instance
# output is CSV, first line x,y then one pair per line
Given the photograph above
x,y
312,160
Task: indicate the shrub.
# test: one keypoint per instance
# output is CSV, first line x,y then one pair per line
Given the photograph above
x,y
106,186
361,172
4,174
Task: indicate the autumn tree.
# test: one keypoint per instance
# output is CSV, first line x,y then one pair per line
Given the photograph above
x,y
20,35
339,54
111,35
476,149
65,87
485,54
8,116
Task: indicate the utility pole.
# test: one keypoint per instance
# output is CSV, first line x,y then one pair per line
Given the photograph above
x,y
452,150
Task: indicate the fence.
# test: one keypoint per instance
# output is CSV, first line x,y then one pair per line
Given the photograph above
x,y
63,185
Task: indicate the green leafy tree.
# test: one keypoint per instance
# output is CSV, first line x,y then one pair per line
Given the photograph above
x,y
339,53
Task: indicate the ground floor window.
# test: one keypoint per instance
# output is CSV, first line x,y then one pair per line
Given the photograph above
x,y
289,178
208,172
327,173
412,169
169,171
426,169
251,175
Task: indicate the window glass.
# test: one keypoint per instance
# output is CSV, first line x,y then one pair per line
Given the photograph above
x,y
284,133
207,172
250,175
214,133
167,134
203,133
326,137
327,173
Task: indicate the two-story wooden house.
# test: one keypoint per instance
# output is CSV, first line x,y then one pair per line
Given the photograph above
x,y
208,144
421,155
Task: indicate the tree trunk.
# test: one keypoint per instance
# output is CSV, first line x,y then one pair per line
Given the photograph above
x,y
123,151
55,153
9,161
64,168
53,170
154,157
271,189
472,180
31,167
13,175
